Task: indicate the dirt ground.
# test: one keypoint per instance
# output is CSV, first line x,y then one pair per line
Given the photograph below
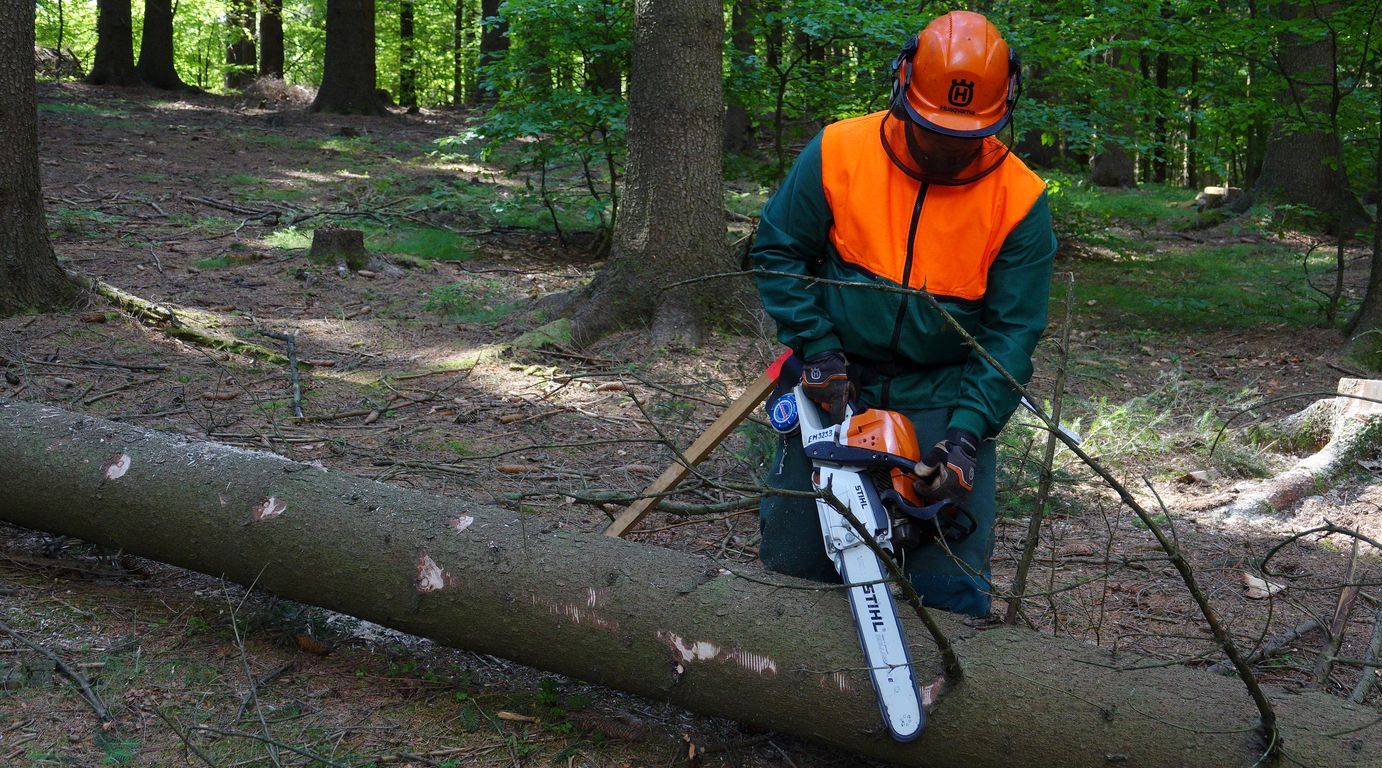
x,y
184,202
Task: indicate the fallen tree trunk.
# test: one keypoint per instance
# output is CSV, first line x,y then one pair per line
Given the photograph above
x,y
659,623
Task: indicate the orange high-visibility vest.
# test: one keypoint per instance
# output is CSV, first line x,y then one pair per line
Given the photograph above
x,y
960,230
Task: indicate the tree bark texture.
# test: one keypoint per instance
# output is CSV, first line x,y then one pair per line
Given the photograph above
x,y
240,52
659,623
114,60
738,127
156,47
348,77
1303,164
271,38
30,277
1365,328
671,223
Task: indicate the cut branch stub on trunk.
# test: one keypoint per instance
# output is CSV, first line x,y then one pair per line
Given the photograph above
x,y
663,624
1354,432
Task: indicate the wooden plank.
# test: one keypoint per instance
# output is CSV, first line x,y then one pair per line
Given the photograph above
x,y
712,437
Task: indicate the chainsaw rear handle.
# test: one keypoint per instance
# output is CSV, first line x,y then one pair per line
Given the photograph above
x,y
952,522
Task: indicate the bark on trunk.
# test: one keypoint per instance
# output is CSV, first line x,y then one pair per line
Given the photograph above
x,y
156,47
30,277
240,53
271,38
1303,164
662,624
114,61
348,77
738,128
671,224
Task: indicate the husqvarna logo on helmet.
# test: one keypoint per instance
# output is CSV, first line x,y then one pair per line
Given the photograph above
x,y
961,92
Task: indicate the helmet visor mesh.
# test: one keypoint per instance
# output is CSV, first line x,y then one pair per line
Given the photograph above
x,y
934,158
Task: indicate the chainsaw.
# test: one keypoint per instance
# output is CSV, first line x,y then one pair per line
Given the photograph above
x,y
866,464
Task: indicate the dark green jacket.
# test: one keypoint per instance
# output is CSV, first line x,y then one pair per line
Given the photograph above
x,y
910,358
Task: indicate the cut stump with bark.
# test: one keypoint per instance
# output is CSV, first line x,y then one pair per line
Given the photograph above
x,y
759,648
338,245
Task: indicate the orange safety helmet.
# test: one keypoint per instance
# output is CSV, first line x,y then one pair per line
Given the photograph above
x,y
957,77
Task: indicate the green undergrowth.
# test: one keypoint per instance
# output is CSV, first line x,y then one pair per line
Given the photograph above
x,y
1081,209
476,301
1204,288
421,243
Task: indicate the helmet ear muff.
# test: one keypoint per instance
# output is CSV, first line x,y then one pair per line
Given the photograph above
x,y
903,62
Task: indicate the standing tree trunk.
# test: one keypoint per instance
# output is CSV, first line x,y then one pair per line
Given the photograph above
x,y
671,224
464,84
156,47
30,277
1365,329
271,38
407,64
1163,139
494,43
114,61
1303,164
1192,127
738,127
658,623
240,47
348,78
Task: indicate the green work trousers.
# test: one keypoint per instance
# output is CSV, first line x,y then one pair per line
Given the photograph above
x,y
951,577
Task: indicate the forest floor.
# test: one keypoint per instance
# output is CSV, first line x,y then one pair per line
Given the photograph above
x,y
207,204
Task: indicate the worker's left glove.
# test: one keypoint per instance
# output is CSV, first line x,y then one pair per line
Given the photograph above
x,y
825,380
947,470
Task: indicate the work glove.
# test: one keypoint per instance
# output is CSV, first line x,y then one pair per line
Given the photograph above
x,y
826,383
947,470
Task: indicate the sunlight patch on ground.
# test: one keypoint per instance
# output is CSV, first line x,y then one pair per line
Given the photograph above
x,y
313,176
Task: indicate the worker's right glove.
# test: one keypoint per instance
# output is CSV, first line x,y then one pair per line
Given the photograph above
x,y
825,381
947,470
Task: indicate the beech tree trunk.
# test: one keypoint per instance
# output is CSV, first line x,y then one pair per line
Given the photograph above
x,y
348,77
671,224
659,623
114,60
156,47
30,277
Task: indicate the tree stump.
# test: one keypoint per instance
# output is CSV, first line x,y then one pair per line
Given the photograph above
x,y
338,245
1355,431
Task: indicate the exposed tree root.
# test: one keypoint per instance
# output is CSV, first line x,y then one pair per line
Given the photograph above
x,y
1354,430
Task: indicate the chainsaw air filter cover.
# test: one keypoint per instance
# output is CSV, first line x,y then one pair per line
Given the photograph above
x,y
888,432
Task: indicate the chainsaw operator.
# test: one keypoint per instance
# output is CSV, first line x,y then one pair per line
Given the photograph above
x,y
922,195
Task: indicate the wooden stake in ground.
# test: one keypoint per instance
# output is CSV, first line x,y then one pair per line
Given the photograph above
x,y
655,622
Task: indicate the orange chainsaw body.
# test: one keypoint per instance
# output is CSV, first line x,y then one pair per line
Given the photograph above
x,y
889,432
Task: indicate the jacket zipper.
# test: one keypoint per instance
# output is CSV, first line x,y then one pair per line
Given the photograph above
x,y
907,271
